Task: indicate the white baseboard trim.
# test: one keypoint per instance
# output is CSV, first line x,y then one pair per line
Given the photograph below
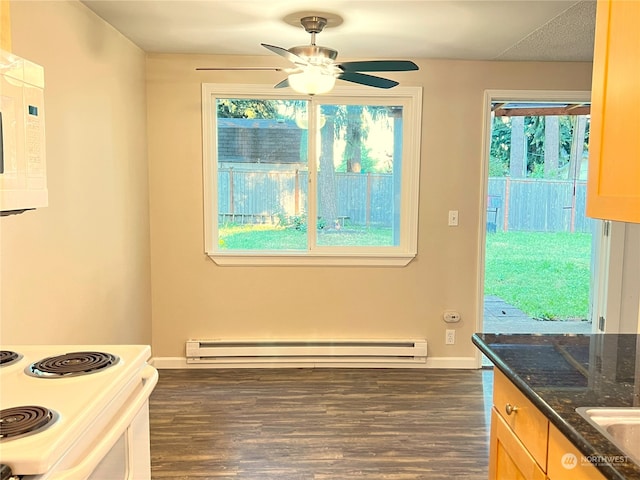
x,y
432,362
453,362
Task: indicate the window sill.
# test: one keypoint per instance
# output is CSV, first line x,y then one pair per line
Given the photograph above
x,y
306,259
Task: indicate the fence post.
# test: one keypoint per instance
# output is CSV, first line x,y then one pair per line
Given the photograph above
x,y
231,206
368,210
297,194
507,190
573,207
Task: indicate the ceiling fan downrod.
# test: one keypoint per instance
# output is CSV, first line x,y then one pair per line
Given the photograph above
x,y
314,53
313,25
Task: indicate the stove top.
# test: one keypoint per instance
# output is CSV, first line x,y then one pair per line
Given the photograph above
x,y
60,407
7,357
72,364
24,420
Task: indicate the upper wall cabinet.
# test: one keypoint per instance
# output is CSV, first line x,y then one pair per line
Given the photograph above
x,y
5,26
614,146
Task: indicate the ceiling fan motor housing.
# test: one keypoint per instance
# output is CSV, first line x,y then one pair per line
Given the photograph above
x,y
315,54
313,24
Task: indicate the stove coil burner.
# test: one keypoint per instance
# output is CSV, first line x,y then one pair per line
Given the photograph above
x,y
19,421
72,364
8,357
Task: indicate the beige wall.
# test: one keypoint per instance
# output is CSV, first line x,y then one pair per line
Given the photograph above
x,y
78,271
194,298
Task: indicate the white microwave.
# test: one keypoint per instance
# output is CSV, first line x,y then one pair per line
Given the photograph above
x,y
23,170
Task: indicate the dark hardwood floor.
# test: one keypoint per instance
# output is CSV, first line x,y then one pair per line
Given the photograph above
x,y
320,424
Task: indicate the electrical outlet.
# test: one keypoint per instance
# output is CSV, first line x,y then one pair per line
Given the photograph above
x,y
450,337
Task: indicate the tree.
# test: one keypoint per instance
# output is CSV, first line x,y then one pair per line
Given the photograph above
x,y
548,145
327,182
247,108
353,150
551,146
534,127
518,157
577,147
500,146
353,125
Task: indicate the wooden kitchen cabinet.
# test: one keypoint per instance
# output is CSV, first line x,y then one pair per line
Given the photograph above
x,y
508,457
613,190
565,461
519,434
5,26
525,446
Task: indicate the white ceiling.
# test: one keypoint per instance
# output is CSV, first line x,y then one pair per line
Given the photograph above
x,y
545,30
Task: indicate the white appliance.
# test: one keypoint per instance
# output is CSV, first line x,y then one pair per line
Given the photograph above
x,y
92,423
23,173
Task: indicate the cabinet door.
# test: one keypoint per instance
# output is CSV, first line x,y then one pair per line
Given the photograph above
x,y
565,461
614,145
5,26
508,458
525,420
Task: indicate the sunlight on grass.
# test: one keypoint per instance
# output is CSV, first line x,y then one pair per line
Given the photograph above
x,y
261,237
356,237
272,237
546,275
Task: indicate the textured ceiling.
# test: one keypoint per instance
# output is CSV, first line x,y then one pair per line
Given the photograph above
x,y
546,30
567,37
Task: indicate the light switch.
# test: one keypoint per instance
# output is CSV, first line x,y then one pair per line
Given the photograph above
x,y
453,218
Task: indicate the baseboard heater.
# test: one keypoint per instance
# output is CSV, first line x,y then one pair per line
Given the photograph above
x,y
303,351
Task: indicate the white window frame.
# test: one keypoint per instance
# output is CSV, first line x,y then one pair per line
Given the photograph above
x,y
411,100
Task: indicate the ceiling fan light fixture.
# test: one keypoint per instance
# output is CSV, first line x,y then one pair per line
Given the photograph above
x,y
312,81
314,70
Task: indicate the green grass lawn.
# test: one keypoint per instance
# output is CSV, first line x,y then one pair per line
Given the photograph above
x,y
546,275
271,237
261,237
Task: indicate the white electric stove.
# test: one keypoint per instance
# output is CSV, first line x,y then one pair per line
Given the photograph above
x,y
75,412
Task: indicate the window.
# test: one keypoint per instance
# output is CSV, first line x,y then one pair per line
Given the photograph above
x,y
295,180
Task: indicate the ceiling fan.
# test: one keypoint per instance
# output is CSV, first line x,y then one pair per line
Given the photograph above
x,y
315,70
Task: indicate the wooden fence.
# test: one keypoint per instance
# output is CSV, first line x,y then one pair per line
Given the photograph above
x,y
367,199
537,205
264,196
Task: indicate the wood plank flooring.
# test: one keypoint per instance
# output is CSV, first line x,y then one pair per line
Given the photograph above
x,y
320,424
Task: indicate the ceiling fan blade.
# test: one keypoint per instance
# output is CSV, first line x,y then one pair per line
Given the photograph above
x,y
368,80
378,66
283,52
283,84
273,69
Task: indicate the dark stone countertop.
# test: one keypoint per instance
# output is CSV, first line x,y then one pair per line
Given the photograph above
x,y
560,373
